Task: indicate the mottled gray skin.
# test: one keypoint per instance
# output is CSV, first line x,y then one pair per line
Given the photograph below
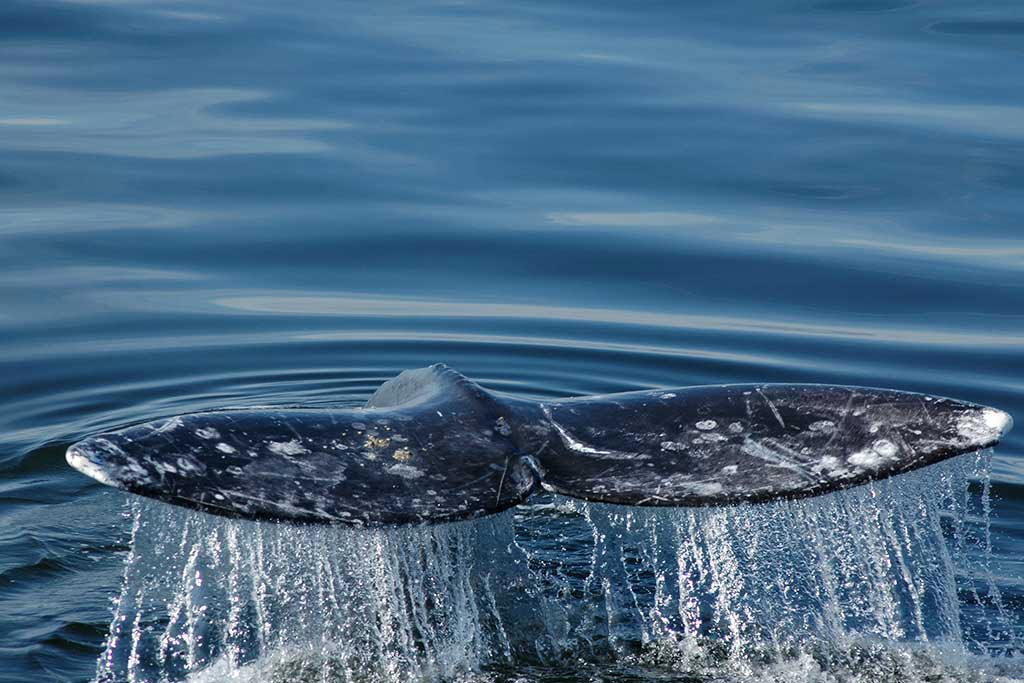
x,y
429,446
718,445
432,446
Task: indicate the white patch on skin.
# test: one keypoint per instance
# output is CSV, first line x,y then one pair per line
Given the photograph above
x,y
405,471
207,433
730,469
885,448
997,420
865,459
225,448
983,426
831,466
87,467
139,471
109,446
672,446
706,425
703,488
826,426
292,447
736,428
873,458
170,425
666,396
164,468
185,464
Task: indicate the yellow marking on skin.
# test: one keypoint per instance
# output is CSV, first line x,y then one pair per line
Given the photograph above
x,y
401,454
377,442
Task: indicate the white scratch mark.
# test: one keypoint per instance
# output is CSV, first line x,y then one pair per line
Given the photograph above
x,y
775,411
292,447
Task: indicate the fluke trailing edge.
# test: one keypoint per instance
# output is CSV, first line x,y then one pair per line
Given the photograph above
x,y
433,446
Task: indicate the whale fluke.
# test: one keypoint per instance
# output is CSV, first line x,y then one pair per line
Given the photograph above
x,y
718,445
432,446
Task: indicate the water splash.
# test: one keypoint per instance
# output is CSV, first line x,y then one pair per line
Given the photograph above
x,y
891,581
203,592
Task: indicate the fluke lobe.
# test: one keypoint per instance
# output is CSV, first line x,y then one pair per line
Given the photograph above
x,y
432,446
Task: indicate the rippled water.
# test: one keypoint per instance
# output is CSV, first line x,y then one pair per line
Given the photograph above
x,y
206,204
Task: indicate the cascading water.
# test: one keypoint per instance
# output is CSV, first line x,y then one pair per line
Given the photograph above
x,y
891,581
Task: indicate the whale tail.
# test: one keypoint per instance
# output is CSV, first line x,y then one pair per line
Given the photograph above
x,y
432,446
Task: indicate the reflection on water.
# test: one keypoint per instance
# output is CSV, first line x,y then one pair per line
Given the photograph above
x,y
172,124
208,203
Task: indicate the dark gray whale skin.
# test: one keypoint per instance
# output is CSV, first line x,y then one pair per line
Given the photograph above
x,y
432,446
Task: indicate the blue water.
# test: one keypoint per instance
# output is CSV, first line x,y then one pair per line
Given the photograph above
x,y
207,203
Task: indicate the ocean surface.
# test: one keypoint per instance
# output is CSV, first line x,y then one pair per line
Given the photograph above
x,y
207,203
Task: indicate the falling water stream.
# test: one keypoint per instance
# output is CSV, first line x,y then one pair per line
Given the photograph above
x,y
869,584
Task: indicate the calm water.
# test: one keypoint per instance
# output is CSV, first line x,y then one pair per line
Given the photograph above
x,y
207,203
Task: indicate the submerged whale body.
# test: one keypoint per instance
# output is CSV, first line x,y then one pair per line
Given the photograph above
x,y
432,446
